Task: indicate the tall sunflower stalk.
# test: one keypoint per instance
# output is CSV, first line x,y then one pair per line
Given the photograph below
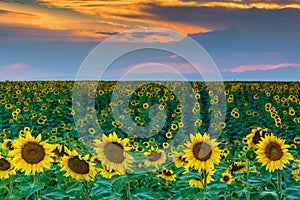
x,y
273,152
32,156
202,153
36,182
128,191
205,181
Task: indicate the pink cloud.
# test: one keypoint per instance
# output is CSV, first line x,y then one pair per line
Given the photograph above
x,y
244,68
15,66
21,71
173,56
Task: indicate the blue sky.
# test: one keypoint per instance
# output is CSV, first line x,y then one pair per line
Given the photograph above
x,y
248,40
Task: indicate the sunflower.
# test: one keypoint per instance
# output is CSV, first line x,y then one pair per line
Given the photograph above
x,y
196,182
107,172
237,166
31,155
165,145
78,167
60,151
297,140
202,152
169,134
91,131
178,159
7,144
6,167
224,153
273,153
155,157
113,152
295,174
167,174
256,136
227,178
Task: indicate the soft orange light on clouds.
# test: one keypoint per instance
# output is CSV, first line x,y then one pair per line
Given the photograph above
x,y
38,17
132,12
88,18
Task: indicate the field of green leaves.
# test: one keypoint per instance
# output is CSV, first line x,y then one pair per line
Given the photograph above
x,y
149,140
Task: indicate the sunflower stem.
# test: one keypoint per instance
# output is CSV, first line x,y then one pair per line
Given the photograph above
x,y
279,180
150,181
10,186
128,190
279,186
36,182
247,193
87,191
205,181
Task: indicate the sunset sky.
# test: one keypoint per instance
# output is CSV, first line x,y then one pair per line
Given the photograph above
x,y
247,39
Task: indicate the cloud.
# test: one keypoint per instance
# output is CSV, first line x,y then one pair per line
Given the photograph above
x,y
186,16
148,35
173,56
15,66
106,33
11,14
54,20
21,71
141,12
234,47
24,33
244,68
279,74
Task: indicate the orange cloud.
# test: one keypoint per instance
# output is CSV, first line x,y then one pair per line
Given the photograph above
x,y
52,19
132,14
90,16
244,68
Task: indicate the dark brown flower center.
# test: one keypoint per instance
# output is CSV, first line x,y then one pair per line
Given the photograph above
x,y
4,164
235,167
114,152
10,145
167,172
202,151
33,153
78,166
60,153
273,151
154,156
226,178
183,159
256,138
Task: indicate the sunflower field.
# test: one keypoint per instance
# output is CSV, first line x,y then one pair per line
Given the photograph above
x,y
149,140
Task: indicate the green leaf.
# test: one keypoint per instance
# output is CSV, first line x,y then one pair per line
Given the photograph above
x,y
269,196
119,183
56,194
74,188
144,194
29,190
